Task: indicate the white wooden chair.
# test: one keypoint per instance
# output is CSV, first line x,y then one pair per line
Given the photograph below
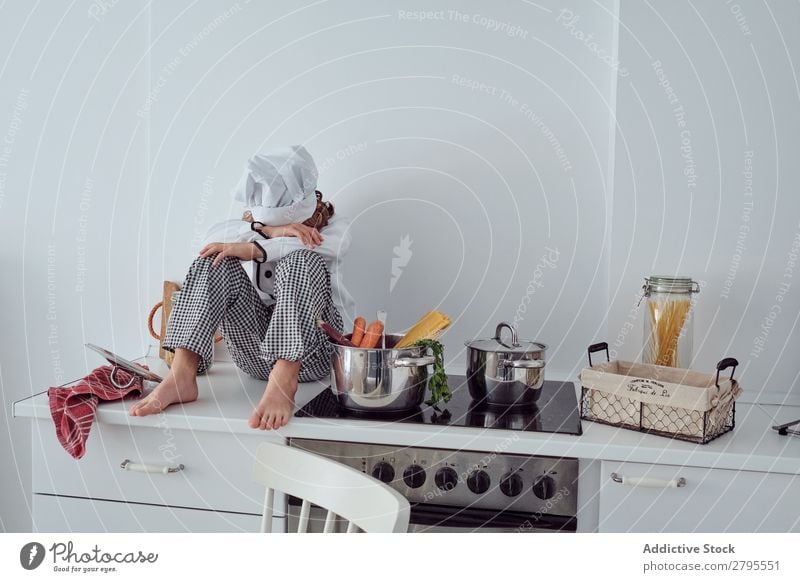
x,y
364,502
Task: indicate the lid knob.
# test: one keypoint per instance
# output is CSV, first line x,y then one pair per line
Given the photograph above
x,y
499,330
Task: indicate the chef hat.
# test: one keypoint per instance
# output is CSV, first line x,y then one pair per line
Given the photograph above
x,y
278,186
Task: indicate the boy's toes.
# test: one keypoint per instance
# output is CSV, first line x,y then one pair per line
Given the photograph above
x,y
255,419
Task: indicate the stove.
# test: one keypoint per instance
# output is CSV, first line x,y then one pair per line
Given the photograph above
x,y
556,411
462,490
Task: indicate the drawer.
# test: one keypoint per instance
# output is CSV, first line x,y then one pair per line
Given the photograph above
x,y
712,500
70,514
217,473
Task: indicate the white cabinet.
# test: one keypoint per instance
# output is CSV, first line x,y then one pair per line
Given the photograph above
x,y
72,514
708,500
212,491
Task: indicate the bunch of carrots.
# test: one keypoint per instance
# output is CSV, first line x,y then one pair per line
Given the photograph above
x,y
366,336
363,336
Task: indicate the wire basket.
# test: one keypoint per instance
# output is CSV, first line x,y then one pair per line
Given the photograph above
x,y
634,396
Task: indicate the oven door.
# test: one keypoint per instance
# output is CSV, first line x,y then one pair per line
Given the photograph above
x,y
430,518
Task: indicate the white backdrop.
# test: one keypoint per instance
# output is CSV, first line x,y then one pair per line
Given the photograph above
x,y
481,148
475,146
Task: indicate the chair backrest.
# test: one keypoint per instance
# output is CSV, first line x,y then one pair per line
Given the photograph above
x,y
364,502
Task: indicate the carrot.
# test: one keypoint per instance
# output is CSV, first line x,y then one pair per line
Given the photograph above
x,y
359,329
373,335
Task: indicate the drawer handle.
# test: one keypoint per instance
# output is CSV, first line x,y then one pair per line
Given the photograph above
x,y
127,465
647,481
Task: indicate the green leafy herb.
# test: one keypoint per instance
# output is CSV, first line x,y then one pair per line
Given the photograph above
x,y
440,391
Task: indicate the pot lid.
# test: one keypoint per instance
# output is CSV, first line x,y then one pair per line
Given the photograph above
x,y
508,344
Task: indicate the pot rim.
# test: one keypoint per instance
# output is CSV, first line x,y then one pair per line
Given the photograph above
x,y
395,336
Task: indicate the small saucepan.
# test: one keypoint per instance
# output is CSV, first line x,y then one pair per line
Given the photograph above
x,y
505,372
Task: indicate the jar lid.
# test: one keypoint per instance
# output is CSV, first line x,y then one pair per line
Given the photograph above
x,y
668,284
510,344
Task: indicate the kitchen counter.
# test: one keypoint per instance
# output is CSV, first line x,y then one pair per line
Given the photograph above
x,y
227,398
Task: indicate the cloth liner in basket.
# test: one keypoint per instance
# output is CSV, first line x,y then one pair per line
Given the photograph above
x,y
669,401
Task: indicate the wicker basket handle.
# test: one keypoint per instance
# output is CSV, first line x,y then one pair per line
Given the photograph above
x,y
726,363
598,348
150,317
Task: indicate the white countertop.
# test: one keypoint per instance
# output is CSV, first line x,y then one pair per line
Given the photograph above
x,y
228,396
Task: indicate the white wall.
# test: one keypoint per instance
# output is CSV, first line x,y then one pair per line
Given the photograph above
x,y
72,215
732,68
382,99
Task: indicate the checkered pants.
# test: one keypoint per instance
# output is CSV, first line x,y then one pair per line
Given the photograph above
x,y
257,335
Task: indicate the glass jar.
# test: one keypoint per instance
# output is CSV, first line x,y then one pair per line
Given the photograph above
x,y
668,322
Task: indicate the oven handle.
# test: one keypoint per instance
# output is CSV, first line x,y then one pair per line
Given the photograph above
x,y
474,518
648,481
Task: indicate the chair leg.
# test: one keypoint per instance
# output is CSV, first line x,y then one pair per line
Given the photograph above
x,y
266,518
305,510
330,521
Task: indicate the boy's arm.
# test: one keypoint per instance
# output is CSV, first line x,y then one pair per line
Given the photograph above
x,y
336,241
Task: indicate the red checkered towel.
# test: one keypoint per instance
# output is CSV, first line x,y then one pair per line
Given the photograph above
x,y
73,407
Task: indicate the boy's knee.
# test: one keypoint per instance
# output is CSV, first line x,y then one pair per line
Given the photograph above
x,y
304,259
207,262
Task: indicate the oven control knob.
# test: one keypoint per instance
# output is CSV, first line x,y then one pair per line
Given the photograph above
x,y
414,476
511,484
544,487
383,471
479,481
446,478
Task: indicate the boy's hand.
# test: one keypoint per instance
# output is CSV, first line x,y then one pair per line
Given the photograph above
x,y
242,251
308,235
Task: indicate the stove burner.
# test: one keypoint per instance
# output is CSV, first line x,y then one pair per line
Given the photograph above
x,y
556,411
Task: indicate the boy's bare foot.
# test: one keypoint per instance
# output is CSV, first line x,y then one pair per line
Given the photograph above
x,y
180,385
277,404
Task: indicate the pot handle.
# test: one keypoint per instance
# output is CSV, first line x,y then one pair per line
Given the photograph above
x,y
499,330
523,363
412,362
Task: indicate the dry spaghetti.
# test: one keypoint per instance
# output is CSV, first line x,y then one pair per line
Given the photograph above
x,y
667,319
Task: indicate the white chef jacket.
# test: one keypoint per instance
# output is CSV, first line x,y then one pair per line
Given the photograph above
x,y
336,241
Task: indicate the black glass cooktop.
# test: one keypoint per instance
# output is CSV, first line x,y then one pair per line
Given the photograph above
x,y
556,411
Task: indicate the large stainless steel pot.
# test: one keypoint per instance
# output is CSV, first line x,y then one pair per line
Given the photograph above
x,y
380,380
505,373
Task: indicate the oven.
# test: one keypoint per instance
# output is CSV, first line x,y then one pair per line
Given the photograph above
x,y
461,491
